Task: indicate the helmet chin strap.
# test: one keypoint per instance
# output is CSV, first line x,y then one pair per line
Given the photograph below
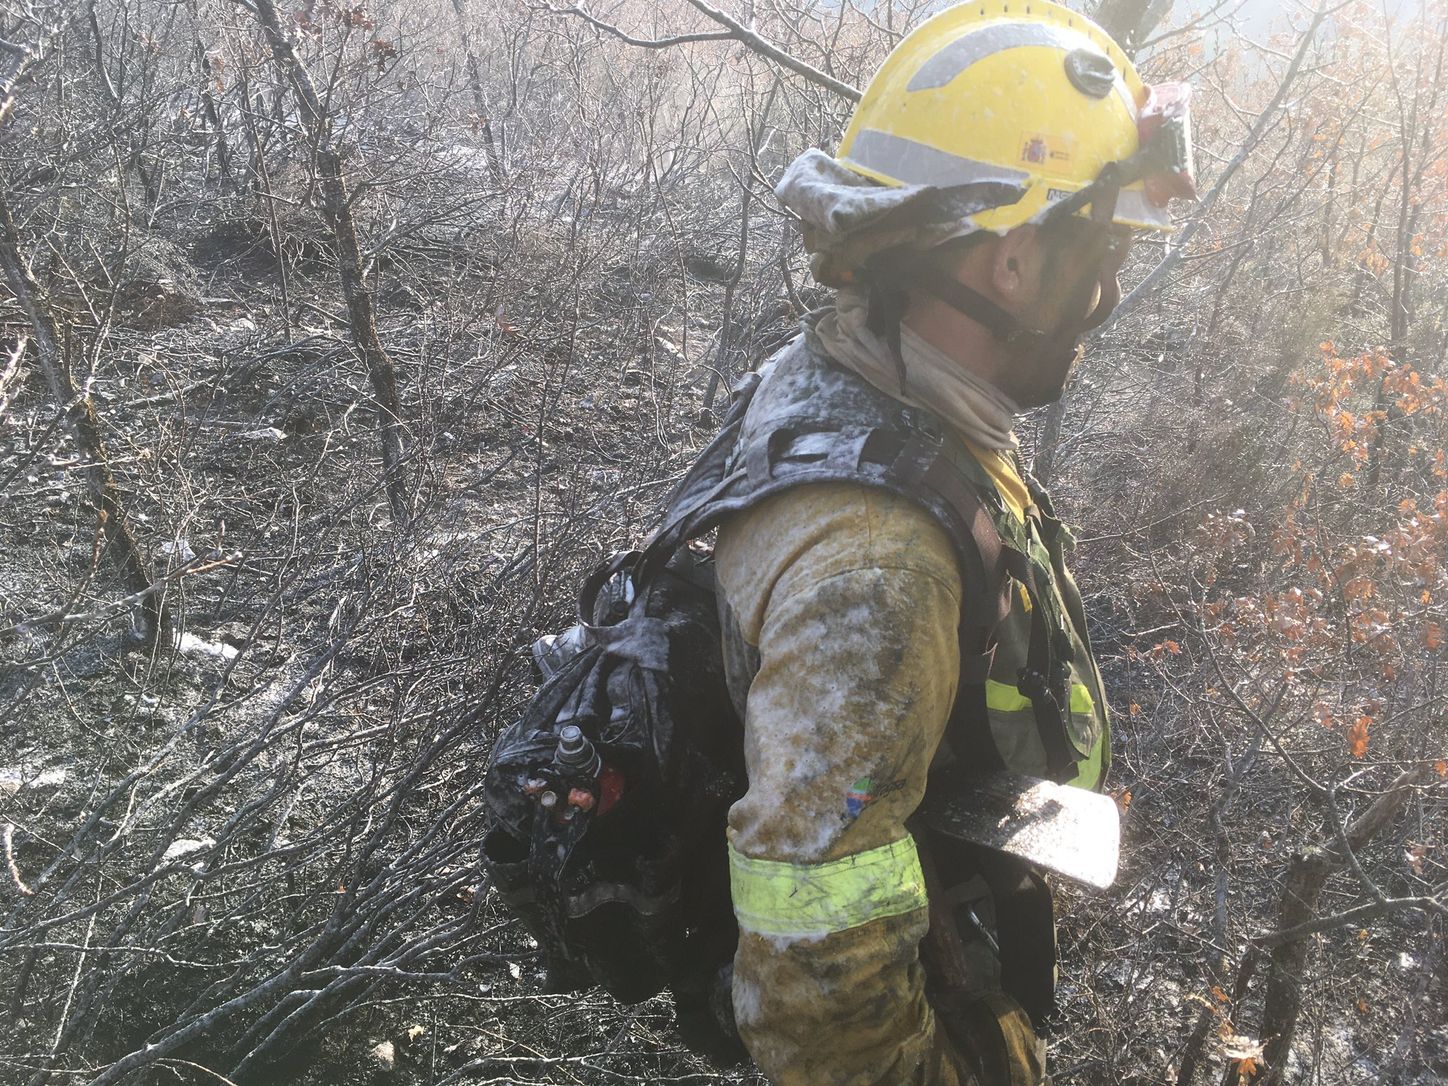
x,y
1025,342
1021,340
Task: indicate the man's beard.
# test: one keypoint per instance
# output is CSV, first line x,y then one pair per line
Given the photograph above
x,y
1042,367
1039,374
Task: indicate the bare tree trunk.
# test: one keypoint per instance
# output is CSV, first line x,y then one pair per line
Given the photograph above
x,y
211,114
1048,446
480,103
1265,119
1130,22
727,330
1209,1018
1405,263
337,207
735,31
78,413
1126,21
268,199
1306,877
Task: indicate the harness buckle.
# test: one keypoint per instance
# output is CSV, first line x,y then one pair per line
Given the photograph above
x,y
1033,683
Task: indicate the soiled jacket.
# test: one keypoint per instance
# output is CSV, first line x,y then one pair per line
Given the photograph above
x,y
850,597
841,604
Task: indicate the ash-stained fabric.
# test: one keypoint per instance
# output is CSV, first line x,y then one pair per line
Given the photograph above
x,y
847,598
803,392
850,596
979,412
847,218
840,604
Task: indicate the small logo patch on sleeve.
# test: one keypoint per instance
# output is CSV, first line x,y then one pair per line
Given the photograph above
x,y
864,792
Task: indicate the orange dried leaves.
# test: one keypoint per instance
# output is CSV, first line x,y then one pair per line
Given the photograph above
x,y
1357,736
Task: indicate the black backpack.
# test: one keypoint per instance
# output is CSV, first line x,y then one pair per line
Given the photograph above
x,y
607,800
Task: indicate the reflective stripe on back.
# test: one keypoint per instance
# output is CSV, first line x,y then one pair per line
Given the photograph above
x,y
1013,725
810,901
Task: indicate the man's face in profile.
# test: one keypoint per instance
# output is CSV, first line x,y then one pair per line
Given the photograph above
x,y
1068,286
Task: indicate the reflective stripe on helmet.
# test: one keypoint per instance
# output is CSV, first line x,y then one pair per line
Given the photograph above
x,y
810,901
917,163
964,51
996,88
910,162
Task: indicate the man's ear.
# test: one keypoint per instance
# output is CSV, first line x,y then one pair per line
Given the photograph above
x,y
1014,266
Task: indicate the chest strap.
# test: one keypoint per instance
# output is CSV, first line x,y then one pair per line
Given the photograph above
x,y
1050,700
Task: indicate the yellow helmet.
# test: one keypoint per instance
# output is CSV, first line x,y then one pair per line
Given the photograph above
x,y
1028,95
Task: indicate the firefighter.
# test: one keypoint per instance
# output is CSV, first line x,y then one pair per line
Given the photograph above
x,y
972,222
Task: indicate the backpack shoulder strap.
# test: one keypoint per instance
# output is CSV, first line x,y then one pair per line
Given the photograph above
x,y
688,506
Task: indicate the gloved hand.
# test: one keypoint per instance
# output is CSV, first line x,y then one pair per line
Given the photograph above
x,y
991,1036
992,1039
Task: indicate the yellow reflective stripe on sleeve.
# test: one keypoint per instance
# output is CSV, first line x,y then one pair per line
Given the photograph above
x,y
810,901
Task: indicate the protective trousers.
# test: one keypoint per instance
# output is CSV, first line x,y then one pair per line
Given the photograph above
x,y
841,605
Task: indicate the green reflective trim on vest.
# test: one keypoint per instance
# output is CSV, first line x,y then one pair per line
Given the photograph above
x,y
1004,698
810,901
1090,769
1001,698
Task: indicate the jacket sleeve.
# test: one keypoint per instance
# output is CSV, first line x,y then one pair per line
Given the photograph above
x,y
851,596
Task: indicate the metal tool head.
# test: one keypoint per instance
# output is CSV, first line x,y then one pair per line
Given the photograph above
x,y
1070,831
